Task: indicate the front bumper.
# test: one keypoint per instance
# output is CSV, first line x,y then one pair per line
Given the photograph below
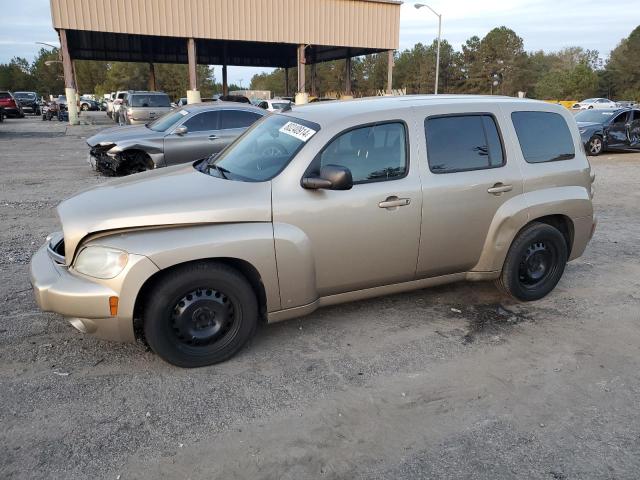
x,y
85,301
30,108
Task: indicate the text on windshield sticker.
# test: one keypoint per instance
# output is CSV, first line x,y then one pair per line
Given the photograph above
x,y
298,131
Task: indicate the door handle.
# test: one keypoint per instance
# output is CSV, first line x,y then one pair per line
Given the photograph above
x,y
500,188
392,202
212,137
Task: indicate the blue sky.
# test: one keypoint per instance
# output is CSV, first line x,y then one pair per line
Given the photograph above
x,y
543,24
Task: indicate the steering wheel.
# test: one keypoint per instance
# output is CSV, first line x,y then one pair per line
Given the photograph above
x,y
269,151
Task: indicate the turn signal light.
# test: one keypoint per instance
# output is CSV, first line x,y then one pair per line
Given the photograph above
x,y
113,306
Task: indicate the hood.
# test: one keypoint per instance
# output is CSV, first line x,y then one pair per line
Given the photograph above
x,y
119,134
588,124
179,195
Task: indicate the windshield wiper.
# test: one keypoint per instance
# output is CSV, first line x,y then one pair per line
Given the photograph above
x,y
223,171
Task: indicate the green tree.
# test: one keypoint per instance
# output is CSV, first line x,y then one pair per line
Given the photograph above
x,y
48,78
16,75
624,67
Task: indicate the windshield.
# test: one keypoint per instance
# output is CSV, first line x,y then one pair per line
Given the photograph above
x,y
279,105
168,120
25,95
595,116
155,100
266,148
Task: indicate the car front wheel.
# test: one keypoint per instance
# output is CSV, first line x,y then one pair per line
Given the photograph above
x,y
534,264
200,314
595,146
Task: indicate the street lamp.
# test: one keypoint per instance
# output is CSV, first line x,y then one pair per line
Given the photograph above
x,y
418,6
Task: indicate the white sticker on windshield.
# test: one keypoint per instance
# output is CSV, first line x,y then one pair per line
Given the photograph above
x,y
298,131
184,112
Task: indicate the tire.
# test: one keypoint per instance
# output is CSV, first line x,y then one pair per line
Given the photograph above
x,y
84,107
534,264
209,302
595,146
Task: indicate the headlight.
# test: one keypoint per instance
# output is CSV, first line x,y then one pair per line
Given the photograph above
x,y
101,262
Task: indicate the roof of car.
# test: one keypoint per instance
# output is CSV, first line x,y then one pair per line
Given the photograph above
x,y
221,104
330,110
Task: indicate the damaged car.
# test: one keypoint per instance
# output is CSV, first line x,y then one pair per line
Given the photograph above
x,y
319,205
184,135
606,130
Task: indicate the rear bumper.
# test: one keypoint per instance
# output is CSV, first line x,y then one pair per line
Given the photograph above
x,y
85,301
12,112
583,230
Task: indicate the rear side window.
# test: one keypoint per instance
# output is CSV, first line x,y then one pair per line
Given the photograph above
x,y
543,136
237,119
5,95
374,153
458,143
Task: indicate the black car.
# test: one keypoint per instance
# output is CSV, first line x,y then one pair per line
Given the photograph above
x,y
609,129
28,101
89,104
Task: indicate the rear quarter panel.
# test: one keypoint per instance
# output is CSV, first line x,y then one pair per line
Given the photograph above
x,y
551,188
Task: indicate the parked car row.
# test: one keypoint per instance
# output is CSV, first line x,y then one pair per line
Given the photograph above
x,y
601,103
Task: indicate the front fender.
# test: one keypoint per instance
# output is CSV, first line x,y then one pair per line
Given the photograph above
x,y
590,132
155,152
570,201
170,246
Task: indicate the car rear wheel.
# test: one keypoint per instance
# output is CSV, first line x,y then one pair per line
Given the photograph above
x,y
200,314
595,146
535,263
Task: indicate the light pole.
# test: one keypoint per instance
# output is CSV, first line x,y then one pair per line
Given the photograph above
x,y
420,5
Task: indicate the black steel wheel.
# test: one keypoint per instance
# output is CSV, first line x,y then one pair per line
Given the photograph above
x,y
535,262
200,314
595,146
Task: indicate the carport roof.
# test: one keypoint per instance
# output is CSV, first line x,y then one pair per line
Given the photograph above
x,y
245,32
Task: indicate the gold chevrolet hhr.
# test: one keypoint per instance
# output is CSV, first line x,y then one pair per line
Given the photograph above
x,y
319,205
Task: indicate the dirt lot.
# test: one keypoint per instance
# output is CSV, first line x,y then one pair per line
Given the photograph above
x,y
395,388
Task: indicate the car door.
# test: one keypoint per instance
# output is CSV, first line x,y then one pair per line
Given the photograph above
x,y
199,141
363,237
232,123
467,178
617,130
634,129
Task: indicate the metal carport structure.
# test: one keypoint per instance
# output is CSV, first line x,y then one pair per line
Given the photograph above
x,y
259,33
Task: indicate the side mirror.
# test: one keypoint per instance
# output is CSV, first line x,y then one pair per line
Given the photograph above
x,y
332,177
181,130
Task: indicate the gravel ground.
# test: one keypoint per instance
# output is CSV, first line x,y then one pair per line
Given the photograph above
x,y
399,387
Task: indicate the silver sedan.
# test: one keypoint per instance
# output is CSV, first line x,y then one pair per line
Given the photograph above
x,y
182,135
